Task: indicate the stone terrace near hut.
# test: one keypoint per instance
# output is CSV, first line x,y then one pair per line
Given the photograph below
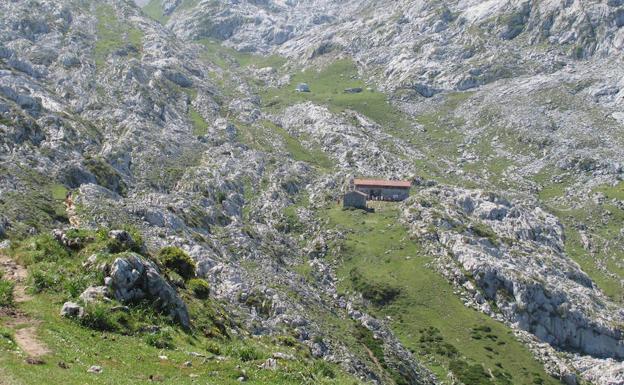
x,y
380,189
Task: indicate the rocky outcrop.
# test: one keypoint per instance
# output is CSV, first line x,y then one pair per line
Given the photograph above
x,y
134,278
509,256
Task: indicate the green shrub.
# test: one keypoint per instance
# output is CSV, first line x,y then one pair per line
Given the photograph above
x,y
175,259
99,316
106,175
287,341
7,341
199,287
115,246
75,285
248,353
213,347
6,293
162,339
259,302
44,279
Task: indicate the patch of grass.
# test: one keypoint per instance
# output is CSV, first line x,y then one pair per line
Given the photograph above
x,y
162,339
375,346
39,248
99,316
612,192
381,249
225,57
106,175
59,192
484,231
327,87
113,35
34,206
200,126
6,292
154,9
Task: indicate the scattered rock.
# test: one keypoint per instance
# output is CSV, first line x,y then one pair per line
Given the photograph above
x,y
72,310
269,364
95,369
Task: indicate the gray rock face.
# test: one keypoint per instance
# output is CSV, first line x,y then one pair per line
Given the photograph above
x,y
72,310
515,253
134,278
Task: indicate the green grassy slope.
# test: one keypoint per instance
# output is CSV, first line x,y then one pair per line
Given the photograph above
x,y
124,343
428,318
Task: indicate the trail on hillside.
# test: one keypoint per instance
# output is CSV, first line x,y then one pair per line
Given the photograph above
x,y
24,327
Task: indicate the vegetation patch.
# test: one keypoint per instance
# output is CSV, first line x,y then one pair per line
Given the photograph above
x,y
154,9
178,261
114,36
6,292
106,175
327,87
199,287
200,126
482,230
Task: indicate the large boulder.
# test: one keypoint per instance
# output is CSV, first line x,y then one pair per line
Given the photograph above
x,y
134,278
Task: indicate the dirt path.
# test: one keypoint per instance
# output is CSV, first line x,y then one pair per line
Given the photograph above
x,y
24,327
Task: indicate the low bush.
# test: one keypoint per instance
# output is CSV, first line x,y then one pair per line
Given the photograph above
x,y
213,347
42,279
175,259
161,339
6,292
99,316
199,287
248,353
484,231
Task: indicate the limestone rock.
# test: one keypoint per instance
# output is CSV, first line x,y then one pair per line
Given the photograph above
x,y
134,278
72,310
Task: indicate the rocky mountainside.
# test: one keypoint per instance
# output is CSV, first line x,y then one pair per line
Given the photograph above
x,y
179,119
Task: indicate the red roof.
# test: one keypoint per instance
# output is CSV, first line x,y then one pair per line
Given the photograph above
x,y
383,183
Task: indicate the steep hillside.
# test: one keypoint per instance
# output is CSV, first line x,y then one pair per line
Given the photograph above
x,y
178,122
